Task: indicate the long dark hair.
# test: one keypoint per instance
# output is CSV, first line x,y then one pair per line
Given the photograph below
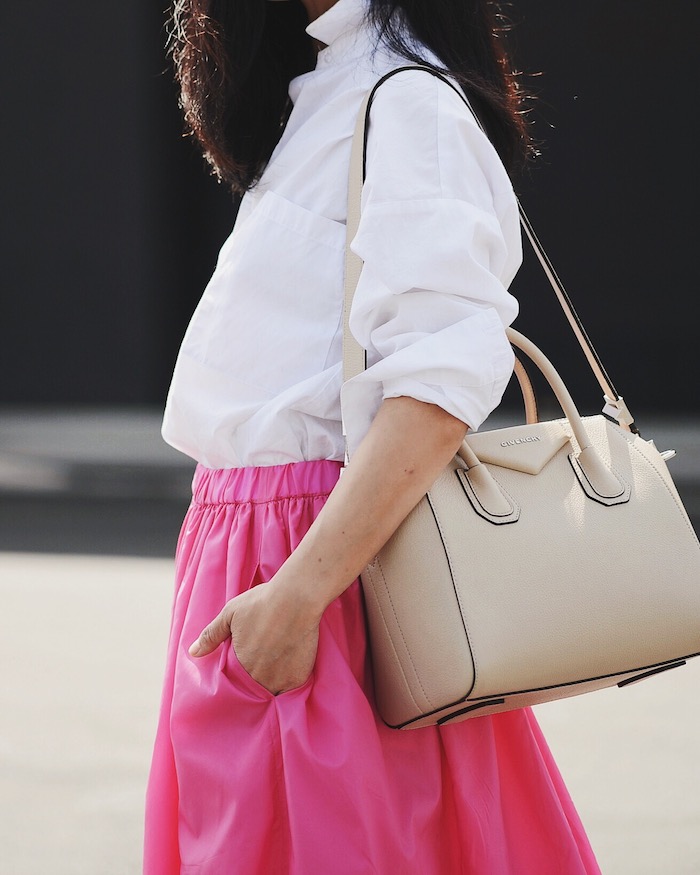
x,y
234,59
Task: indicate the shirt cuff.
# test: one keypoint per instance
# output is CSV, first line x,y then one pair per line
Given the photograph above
x,y
464,369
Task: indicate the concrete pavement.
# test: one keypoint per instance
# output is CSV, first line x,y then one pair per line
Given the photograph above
x,y
82,643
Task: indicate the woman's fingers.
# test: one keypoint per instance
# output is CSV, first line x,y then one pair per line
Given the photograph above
x,y
212,635
275,640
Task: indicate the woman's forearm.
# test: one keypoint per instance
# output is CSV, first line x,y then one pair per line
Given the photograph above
x,y
403,453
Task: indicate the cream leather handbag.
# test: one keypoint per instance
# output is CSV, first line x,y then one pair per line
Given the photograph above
x,y
549,559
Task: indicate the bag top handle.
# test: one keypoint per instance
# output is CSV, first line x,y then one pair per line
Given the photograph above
x,y
354,357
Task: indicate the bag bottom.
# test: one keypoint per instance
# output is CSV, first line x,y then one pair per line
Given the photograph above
x,y
467,708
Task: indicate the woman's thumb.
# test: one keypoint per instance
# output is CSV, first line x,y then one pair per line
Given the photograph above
x,y
214,634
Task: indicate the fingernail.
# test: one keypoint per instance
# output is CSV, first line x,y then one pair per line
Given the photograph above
x,y
194,648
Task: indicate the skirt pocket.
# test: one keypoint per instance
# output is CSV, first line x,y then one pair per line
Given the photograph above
x,y
240,678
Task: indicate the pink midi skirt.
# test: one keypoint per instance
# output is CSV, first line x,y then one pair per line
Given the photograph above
x,y
311,782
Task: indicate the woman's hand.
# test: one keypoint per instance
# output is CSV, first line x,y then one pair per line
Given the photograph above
x,y
274,627
274,635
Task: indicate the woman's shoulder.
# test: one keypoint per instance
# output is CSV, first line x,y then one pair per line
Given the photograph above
x,y
424,84
422,128
426,81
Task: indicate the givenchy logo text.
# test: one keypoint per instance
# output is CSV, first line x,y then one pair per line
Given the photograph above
x,y
525,440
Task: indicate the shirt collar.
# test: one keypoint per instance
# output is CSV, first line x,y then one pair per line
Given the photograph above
x,y
344,17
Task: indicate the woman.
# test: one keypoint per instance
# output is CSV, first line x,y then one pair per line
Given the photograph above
x,y
269,756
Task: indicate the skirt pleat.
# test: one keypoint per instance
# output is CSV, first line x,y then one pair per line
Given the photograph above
x,y
311,782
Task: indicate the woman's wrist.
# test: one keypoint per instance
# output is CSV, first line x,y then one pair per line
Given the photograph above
x,y
308,583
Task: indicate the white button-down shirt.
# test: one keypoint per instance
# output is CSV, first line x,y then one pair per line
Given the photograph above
x,y
258,377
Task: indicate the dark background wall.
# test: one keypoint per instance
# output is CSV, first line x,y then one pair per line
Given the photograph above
x,y
111,222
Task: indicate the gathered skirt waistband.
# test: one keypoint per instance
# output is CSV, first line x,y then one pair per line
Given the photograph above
x,y
264,484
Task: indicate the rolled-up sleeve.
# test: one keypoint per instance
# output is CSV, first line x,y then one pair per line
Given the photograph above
x,y
439,237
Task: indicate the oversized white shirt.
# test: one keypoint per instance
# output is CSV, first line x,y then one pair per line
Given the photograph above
x,y
259,374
